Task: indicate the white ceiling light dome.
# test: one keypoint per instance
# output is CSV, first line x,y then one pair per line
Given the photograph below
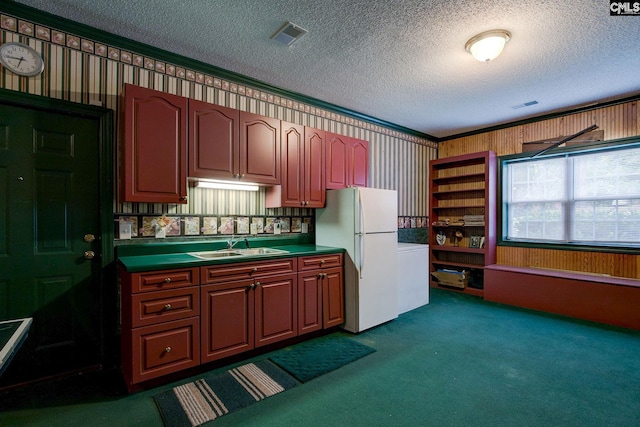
x,y
488,45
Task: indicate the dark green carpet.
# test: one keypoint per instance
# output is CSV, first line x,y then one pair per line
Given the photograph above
x,y
459,361
311,359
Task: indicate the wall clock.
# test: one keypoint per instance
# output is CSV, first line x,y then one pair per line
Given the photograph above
x,y
21,59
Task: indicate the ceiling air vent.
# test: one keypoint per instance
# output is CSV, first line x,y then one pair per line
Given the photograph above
x,y
289,33
526,104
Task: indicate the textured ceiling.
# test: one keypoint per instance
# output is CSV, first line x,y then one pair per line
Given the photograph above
x,y
400,61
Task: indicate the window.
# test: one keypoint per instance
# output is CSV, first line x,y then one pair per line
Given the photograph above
x,y
588,197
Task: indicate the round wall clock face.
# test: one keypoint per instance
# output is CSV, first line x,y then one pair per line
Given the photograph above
x,y
21,59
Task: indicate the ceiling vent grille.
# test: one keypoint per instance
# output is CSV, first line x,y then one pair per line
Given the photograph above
x,y
526,104
289,33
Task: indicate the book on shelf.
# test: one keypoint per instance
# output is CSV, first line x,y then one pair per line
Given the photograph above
x,y
473,220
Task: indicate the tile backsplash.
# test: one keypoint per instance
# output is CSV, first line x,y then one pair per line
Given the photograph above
x,y
194,227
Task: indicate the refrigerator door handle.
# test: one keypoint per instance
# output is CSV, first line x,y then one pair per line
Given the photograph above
x,y
361,232
361,255
360,214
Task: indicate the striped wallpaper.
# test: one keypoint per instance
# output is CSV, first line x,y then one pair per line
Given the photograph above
x,y
87,72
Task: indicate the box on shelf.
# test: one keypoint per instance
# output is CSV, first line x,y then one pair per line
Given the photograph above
x,y
456,279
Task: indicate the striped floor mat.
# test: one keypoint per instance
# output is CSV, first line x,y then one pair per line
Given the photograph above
x,y
211,397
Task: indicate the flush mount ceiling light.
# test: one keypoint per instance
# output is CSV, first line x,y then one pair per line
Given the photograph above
x,y
488,45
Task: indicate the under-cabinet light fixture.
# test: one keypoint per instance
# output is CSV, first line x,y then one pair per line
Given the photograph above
x,y
488,45
227,185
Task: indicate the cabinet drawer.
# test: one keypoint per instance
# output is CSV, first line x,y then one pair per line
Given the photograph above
x,y
163,306
164,279
319,261
245,270
161,349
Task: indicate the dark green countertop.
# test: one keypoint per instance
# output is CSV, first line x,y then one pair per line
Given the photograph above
x,y
163,258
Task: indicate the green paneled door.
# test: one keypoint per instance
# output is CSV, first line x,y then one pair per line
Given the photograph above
x,y
49,205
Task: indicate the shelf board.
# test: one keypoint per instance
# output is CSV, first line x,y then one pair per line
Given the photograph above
x,y
454,192
447,248
439,208
458,226
458,264
467,290
457,178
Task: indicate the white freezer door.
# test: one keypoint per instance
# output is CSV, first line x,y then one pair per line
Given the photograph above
x,y
375,280
377,210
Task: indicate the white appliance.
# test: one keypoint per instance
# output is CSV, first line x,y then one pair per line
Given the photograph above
x,y
413,276
364,221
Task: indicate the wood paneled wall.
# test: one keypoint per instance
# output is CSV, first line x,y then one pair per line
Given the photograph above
x,y
617,121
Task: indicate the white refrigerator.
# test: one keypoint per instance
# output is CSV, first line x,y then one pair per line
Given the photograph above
x,y
364,221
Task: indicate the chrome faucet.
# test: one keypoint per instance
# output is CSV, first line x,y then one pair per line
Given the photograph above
x,y
231,243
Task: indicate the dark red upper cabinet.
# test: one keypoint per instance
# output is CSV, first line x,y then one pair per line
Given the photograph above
x,y
302,169
155,146
314,168
259,149
347,162
214,135
359,164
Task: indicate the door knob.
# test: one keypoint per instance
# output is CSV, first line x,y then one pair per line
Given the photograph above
x,y
89,254
89,238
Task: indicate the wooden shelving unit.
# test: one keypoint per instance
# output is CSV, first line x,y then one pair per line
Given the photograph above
x,y
463,187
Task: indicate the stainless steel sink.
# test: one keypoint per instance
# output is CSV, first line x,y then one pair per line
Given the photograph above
x,y
215,254
261,251
226,253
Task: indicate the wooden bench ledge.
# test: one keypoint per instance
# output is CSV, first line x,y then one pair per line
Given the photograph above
x,y
569,274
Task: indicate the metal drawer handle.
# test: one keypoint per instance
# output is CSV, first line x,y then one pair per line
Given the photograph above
x,y
167,349
167,307
167,280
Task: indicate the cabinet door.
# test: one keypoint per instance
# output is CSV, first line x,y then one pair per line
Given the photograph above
x,y
213,141
337,153
227,315
259,149
309,302
292,158
358,163
333,297
155,146
314,168
276,311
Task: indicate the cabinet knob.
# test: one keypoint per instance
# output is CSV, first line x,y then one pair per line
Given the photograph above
x,y
322,261
167,280
167,307
257,284
254,269
183,197
252,286
167,349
